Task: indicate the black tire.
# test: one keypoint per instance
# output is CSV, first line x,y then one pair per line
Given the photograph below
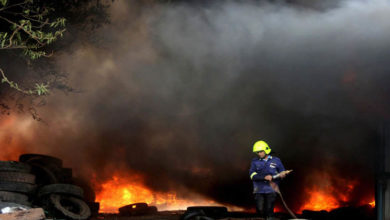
x,y
43,159
192,215
134,209
27,188
60,188
65,175
70,207
44,175
139,205
13,197
17,177
13,166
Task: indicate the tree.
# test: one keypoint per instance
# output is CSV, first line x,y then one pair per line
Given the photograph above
x,y
29,28
30,33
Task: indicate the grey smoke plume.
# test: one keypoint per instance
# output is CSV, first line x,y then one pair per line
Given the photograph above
x,y
179,93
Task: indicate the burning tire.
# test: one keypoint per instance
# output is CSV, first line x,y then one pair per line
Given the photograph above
x,y
70,207
17,177
137,209
134,209
13,166
40,158
17,187
67,189
14,197
135,206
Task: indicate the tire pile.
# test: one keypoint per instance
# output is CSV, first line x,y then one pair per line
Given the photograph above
x,y
17,184
41,181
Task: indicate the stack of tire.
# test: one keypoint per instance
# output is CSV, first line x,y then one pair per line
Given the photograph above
x,y
56,192
17,184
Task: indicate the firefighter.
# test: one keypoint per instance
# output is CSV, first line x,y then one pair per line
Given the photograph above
x,y
262,171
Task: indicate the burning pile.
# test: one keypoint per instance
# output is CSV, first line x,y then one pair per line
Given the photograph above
x,y
329,192
123,189
40,180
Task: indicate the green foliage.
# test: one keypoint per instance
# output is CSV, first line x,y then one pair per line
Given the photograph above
x,y
3,2
32,28
41,89
34,54
33,31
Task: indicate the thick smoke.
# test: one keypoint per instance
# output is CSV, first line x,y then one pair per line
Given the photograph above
x,y
179,92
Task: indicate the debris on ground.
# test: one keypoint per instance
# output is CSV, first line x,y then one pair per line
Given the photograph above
x,y
30,214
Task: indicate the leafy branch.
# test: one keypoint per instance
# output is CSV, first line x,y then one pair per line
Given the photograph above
x,y
31,30
40,89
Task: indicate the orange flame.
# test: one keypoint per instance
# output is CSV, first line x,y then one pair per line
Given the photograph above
x,y
121,191
328,193
372,204
320,201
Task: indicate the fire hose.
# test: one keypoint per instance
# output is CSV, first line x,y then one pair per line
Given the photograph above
x,y
275,187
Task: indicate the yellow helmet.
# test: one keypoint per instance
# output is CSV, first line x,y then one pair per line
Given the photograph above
x,y
261,146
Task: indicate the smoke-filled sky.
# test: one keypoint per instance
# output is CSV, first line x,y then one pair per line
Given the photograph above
x,y
179,93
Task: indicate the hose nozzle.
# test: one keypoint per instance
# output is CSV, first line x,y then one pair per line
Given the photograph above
x,y
279,174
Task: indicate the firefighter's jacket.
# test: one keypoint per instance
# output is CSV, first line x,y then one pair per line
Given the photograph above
x,y
261,168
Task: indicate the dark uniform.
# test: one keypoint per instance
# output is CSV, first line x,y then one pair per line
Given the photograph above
x,y
264,194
